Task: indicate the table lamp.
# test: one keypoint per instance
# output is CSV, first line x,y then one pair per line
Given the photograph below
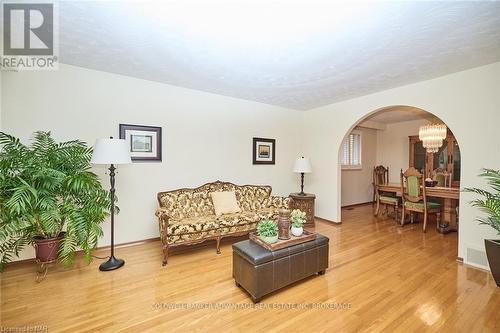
x,y
302,166
111,151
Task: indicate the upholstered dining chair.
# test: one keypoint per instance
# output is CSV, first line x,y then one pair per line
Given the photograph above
x,y
442,176
414,197
381,177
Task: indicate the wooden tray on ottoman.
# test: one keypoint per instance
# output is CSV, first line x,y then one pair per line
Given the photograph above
x,y
307,236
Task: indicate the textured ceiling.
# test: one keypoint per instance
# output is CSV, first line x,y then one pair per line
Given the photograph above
x,y
299,55
397,114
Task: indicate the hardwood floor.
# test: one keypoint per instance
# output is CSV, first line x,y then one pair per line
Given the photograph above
x,y
390,278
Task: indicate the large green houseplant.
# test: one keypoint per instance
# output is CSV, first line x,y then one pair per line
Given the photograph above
x,y
47,192
489,203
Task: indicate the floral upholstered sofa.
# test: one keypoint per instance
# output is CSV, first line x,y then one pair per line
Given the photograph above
x,y
187,216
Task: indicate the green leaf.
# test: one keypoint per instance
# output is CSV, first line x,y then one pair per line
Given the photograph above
x,y
47,187
490,201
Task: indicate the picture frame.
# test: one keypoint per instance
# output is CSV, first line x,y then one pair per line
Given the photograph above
x,y
144,142
263,151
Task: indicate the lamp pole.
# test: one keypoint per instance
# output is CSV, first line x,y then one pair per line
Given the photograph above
x,y
302,184
112,263
112,197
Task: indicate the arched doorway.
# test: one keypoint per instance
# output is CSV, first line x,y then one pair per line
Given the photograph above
x,y
388,136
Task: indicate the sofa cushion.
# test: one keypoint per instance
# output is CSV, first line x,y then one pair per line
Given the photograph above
x,y
238,228
225,203
252,197
277,202
241,218
184,203
247,217
393,200
192,224
420,205
268,213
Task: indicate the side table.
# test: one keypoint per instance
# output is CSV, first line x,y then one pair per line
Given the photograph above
x,y
306,204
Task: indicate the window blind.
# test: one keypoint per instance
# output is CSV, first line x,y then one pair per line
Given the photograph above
x,y
351,151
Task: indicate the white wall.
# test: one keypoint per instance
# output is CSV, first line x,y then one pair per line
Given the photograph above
x,y
393,146
357,183
206,137
468,102
0,100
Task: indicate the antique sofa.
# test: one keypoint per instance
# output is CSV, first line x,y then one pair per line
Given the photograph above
x,y
187,216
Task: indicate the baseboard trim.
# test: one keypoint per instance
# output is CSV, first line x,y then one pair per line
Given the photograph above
x,y
127,244
150,240
18,262
481,268
460,260
326,220
359,204
100,248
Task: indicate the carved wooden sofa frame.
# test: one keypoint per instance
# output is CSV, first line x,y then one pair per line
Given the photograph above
x,y
275,202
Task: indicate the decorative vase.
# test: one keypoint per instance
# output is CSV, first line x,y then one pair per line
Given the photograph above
x,y
297,231
284,224
47,249
270,240
493,253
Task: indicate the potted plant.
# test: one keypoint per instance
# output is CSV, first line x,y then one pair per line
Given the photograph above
x,y
49,198
298,220
490,204
268,231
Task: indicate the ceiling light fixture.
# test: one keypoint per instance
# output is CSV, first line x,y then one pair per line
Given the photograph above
x,y
432,136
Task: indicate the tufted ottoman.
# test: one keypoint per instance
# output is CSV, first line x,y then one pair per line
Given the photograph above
x,y
260,271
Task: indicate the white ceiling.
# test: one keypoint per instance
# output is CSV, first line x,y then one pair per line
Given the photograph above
x,y
295,54
397,114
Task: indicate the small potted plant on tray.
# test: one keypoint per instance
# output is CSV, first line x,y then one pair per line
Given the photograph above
x,y
268,231
490,204
298,220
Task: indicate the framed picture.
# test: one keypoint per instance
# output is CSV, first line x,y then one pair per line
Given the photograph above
x,y
264,151
144,141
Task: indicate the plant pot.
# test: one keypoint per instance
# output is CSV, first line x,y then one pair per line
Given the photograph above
x,y
297,231
431,183
47,249
493,253
270,240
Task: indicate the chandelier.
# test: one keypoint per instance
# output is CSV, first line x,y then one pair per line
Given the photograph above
x,y
432,136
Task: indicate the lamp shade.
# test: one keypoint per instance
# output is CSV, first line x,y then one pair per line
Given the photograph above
x,y
302,165
111,151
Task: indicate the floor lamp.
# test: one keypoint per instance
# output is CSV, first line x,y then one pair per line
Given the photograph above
x,y
111,151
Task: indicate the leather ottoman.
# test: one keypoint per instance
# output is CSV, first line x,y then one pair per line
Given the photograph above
x,y
260,271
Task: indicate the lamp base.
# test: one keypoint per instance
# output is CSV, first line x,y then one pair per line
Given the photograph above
x,y
111,264
302,193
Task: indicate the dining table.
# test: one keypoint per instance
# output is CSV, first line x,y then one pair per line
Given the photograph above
x,y
450,196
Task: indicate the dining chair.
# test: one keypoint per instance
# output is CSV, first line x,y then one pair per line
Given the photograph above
x,y
381,177
414,197
442,176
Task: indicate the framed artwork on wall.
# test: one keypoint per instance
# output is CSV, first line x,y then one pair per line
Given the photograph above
x,y
263,151
144,141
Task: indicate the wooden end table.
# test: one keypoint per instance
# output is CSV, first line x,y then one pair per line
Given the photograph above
x,y
306,204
